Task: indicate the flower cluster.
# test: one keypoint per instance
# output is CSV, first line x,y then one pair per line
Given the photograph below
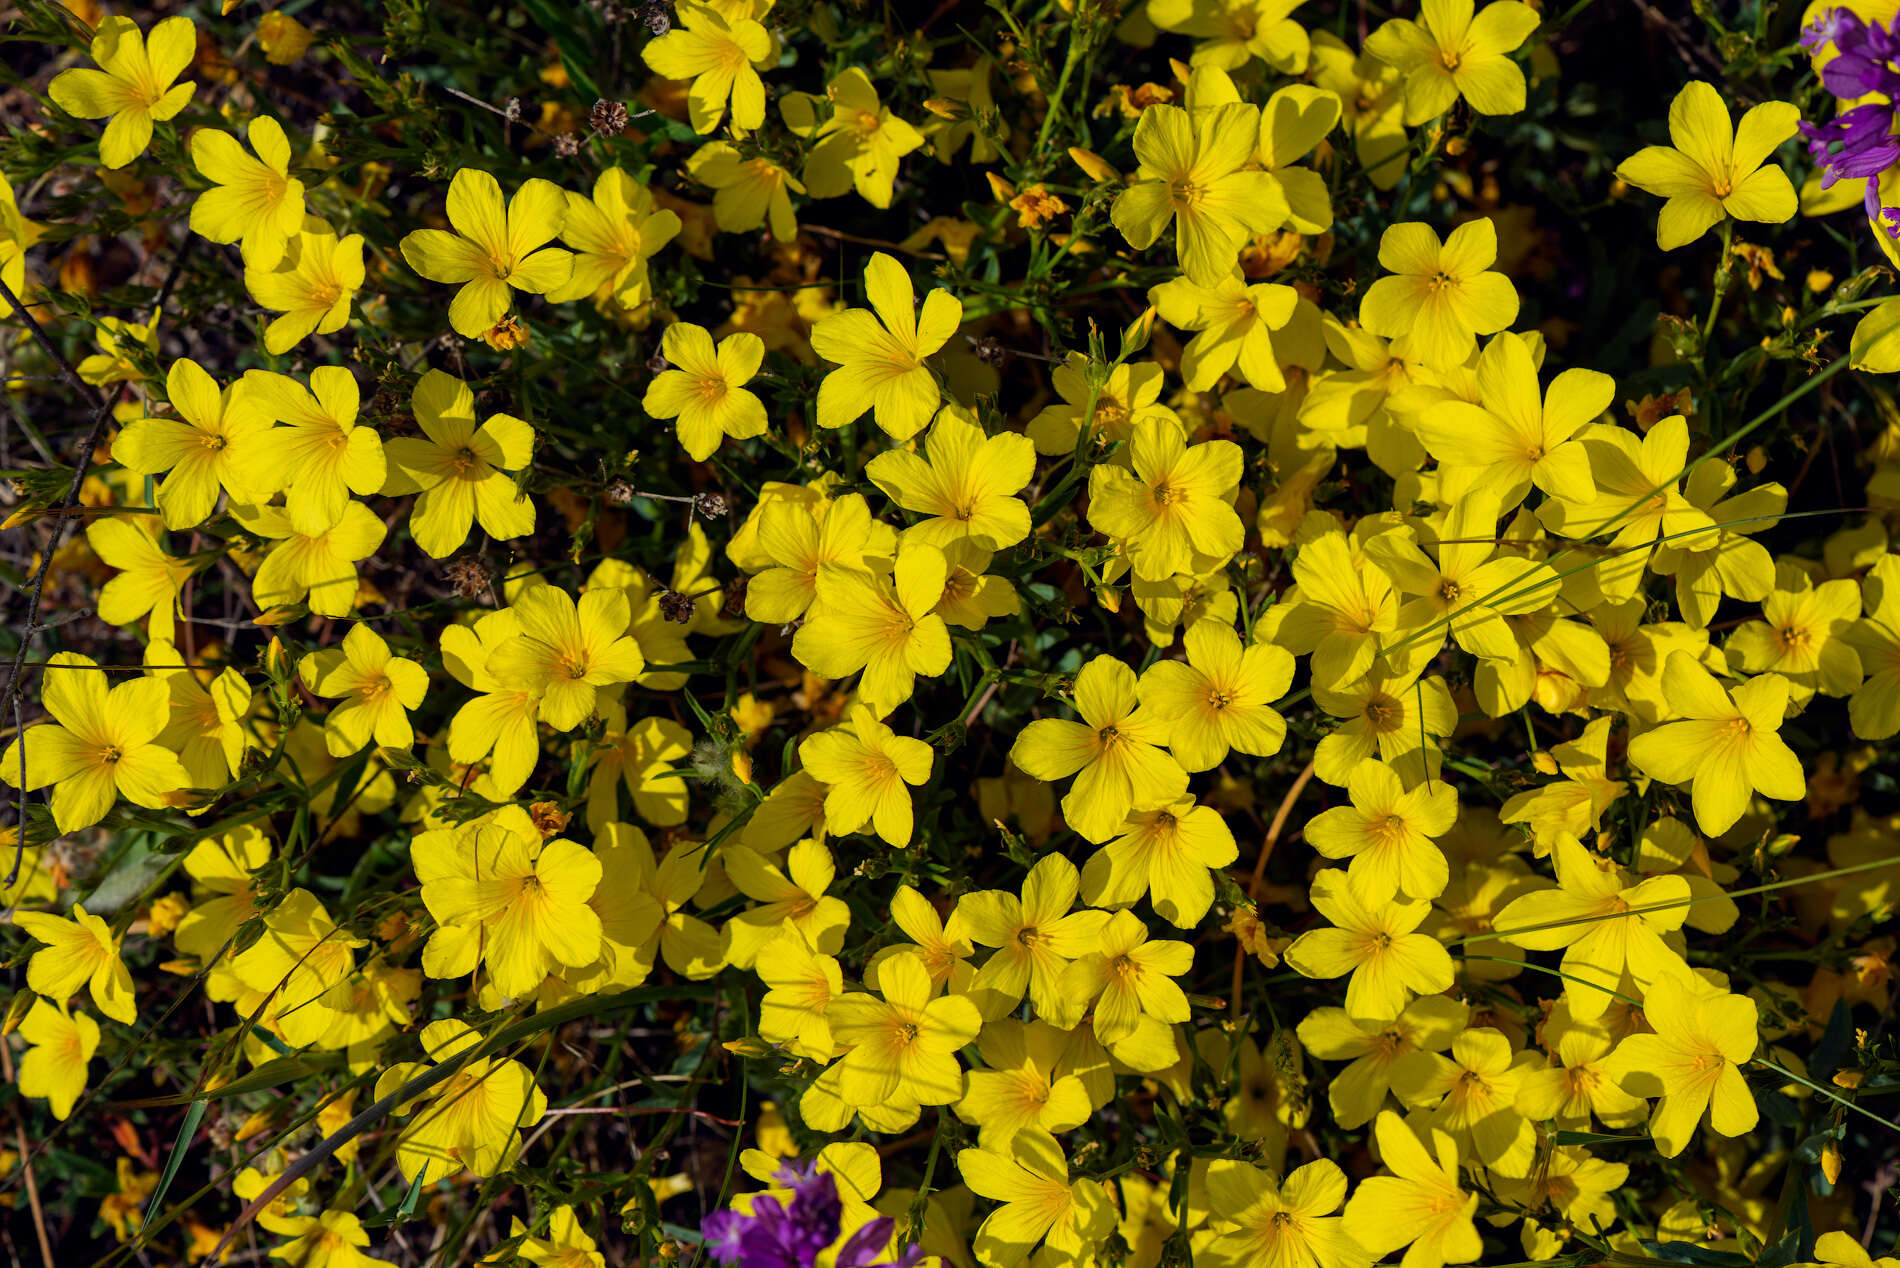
x,y
1048,635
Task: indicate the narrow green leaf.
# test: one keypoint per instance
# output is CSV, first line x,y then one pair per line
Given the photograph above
x,y
188,1129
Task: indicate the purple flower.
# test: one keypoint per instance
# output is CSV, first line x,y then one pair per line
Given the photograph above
x,y
1858,143
724,1233
1838,27
795,1233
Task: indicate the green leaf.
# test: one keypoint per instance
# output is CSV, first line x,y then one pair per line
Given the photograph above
x,y
1598,1138
1694,1253
405,1208
268,1075
188,1129
1875,347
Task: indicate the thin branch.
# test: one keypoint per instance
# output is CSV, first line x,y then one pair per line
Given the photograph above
x,y
46,344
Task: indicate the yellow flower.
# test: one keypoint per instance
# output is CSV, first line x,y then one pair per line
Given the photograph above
x,y
1024,1086
1372,98
944,944
705,390
1449,54
791,896
1597,917
149,580
113,363
502,896
17,234
1388,833
299,961
965,484
1467,585
377,690
1114,752
1218,700
283,38
905,1044
1167,855
718,56
1374,1046
1727,747
498,725
494,248
1340,606
54,1065
1711,170
1575,803
1389,711
884,626
1232,34
802,534
133,85
1377,943
461,469
1514,437
1035,936
254,202
858,146
1802,635
208,714
748,192
645,755
222,866
1691,1062
1295,120
1041,1205
1193,173
566,651
1420,1205
123,1210
1234,322
880,358
1580,1087
613,234
218,446
472,1120
1471,1096
800,985
329,1239
1637,494
313,286
316,568
1128,978
1874,710
1260,1220
864,767
328,454
1130,394
1441,296
81,952
1174,510
101,744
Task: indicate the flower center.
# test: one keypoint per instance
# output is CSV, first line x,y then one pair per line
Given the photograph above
x,y
1185,193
